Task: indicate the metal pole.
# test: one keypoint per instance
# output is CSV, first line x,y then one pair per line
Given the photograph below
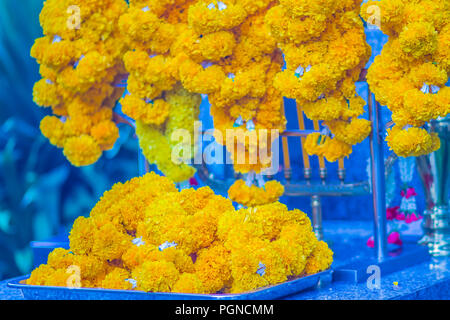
x,y
317,217
378,178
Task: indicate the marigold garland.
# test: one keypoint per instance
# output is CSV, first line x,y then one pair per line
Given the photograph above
x,y
231,50
80,66
410,75
146,235
325,50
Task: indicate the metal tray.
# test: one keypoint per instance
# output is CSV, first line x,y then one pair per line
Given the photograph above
x,y
62,293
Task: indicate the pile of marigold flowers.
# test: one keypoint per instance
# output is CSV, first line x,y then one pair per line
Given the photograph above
x,y
146,235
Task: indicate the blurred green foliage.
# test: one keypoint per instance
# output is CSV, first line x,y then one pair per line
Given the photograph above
x,y
40,192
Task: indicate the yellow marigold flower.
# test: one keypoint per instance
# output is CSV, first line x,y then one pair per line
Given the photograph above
x,y
139,25
156,276
137,255
443,102
102,114
275,271
78,107
183,110
180,259
59,278
77,126
329,108
331,149
154,112
336,150
188,283
420,105
293,256
60,258
45,93
443,52
353,132
116,280
40,275
315,144
53,129
245,265
194,200
320,259
105,134
429,73
91,267
82,236
207,20
217,45
212,267
82,150
302,238
418,39
55,55
110,243
412,142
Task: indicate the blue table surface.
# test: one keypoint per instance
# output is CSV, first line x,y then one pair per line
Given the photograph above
x,y
428,280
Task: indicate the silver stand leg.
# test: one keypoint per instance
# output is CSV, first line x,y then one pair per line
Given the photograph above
x,y
316,206
378,179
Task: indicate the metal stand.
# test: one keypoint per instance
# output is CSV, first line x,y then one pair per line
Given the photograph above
x,y
378,179
316,206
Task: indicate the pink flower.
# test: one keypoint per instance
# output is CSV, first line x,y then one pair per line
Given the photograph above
x,y
400,216
394,238
193,182
371,242
410,192
412,218
391,213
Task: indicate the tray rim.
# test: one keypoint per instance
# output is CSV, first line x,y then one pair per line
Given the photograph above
x,y
15,284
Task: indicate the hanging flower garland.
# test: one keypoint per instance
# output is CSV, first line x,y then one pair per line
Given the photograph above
x,y
145,235
80,64
221,49
325,50
240,59
231,50
212,48
410,75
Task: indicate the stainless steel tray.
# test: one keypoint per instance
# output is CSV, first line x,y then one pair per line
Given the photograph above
x,y
62,293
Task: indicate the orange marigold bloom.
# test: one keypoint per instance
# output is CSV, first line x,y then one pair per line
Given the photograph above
x,y
82,150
